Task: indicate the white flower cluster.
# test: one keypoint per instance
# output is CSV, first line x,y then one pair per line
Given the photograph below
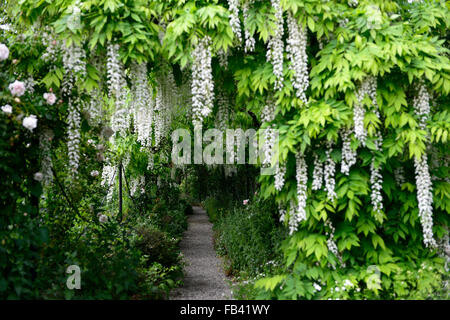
x,y
45,139
296,52
376,180
317,173
282,212
275,50
52,46
302,181
422,105
423,178
73,132
268,115
142,104
108,175
369,87
235,23
222,115
348,154
280,172
74,66
166,99
137,184
331,244
223,58
249,39
399,175
94,106
29,85
329,172
425,199
202,80
353,3
117,89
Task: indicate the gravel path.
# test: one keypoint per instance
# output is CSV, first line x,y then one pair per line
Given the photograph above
x,y
204,277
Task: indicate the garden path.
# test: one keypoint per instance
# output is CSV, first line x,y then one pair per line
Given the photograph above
x,y
204,276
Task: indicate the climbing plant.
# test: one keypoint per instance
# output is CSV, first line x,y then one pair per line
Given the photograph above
x,y
357,90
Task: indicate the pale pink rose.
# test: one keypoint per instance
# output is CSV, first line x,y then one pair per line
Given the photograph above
x,y
50,98
245,202
4,52
17,88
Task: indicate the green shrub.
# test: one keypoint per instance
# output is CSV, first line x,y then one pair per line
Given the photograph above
x,y
157,245
248,236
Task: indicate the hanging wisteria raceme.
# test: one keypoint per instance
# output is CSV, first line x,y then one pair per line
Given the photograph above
x,y
45,139
75,71
329,174
399,175
376,181
142,104
235,23
331,243
423,179
94,106
282,213
317,173
368,86
275,49
302,180
268,115
108,175
117,89
280,172
422,105
74,135
348,154
167,98
296,52
223,58
74,66
249,39
137,184
202,81
222,111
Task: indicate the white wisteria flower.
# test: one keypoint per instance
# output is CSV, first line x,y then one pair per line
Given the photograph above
x,y
4,52
423,178
275,49
317,173
233,6
249,39
50,98
7,109
17,88
348,154
301,176
296,52
329,172
280,171
30,122
202,84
